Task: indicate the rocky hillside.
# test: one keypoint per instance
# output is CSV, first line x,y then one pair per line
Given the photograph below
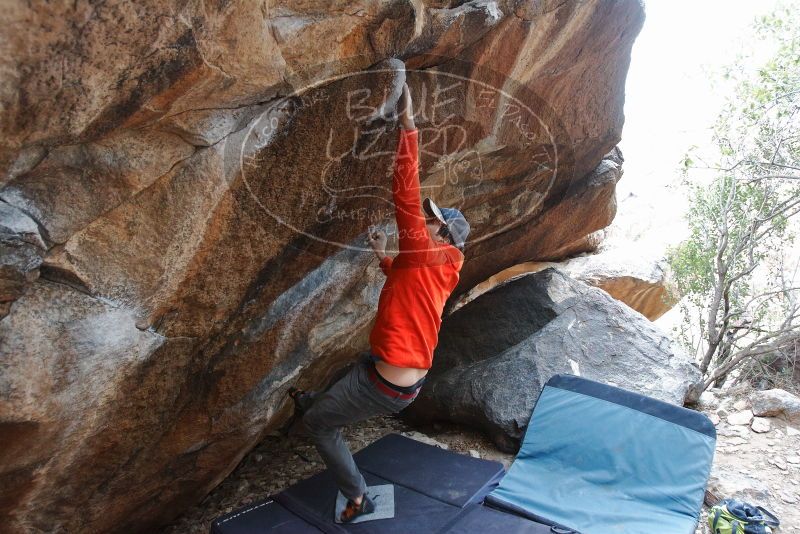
x,y
185,189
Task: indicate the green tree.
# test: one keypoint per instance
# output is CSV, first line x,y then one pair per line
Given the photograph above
x,y
738,267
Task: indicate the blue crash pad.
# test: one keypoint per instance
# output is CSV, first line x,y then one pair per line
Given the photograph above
x,y
600,459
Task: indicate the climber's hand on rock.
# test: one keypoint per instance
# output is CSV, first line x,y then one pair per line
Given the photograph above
x,y
377,240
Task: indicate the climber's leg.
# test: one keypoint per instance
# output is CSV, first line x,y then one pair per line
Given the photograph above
x,y
353,398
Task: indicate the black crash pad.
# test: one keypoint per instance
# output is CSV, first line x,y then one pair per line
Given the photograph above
x,y
434,488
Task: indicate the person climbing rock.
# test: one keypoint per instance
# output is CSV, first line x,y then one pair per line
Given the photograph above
x,y
419,281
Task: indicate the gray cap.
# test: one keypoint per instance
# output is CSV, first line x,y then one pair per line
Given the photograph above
x,y
452,218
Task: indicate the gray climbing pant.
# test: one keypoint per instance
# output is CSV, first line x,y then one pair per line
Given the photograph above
x,y
357,396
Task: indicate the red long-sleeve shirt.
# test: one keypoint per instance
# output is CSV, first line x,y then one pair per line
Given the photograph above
x,y
419,279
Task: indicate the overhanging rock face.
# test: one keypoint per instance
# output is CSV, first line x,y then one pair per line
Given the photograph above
x,y
185,190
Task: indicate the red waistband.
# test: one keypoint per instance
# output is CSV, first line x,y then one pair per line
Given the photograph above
x,y
387,390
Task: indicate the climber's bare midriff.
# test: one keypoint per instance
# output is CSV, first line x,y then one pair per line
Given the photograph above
x,y
401,376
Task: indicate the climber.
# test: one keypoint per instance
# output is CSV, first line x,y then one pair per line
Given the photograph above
x,y
418,282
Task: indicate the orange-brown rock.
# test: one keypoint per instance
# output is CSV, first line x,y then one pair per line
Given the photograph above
x,y
638,280
188,186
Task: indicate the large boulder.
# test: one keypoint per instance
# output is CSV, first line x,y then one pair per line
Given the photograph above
x,y
495,353
776,402
639,281
186,188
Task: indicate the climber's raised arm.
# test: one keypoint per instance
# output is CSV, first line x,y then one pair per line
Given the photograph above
x,y
412,233
406,110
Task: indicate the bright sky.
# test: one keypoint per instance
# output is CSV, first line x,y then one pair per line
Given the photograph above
x,y
670,104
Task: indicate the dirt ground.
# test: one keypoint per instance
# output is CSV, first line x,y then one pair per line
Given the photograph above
x,y
758,467
762,468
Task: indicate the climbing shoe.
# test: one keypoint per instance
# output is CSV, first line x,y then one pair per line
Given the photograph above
x,y
353,510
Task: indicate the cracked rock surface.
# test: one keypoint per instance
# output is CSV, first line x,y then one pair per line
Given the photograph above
x,y
185,189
